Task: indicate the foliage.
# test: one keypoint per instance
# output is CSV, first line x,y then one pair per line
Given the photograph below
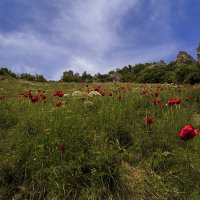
x,y
97,147
4,72
152,75
40,78
86,78
140,73
188,74
27,76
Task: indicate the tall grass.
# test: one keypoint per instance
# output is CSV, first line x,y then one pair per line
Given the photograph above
x,y
109,151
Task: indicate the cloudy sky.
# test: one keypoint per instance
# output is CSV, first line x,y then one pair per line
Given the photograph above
x,y
51,36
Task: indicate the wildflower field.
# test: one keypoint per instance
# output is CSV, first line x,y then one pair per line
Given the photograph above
x,y
99,141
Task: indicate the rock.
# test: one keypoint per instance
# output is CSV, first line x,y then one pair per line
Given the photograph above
x,y
184,58
158,64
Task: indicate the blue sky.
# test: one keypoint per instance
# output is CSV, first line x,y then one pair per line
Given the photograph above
x,y
51,36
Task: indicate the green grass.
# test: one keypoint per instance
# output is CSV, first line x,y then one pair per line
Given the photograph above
x,y
110,152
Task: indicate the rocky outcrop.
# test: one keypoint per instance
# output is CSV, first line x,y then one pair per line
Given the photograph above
x,y
184,58
158,64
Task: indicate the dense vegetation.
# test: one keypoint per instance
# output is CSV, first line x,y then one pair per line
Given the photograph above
x,y
6,73
139,73
99,141
142,73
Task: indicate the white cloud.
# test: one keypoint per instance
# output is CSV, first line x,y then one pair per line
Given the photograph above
x,y
19,68
85,35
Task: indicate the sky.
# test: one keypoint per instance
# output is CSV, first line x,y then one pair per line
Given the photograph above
x,y
49,37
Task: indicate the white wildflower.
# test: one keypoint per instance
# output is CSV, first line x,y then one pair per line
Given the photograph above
x,y
66,95
94,93
77,94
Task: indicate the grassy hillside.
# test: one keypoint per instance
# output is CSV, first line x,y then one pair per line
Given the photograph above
x,y
65,141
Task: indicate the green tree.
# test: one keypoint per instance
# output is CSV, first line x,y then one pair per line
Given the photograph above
x,y
68,76
152,75
102,78
27,76
7,73
86,78
40,78
138,68
188,74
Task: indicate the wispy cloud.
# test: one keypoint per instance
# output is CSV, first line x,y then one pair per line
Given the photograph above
x,y
95,36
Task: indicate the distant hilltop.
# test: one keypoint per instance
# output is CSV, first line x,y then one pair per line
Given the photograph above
x,y
182,58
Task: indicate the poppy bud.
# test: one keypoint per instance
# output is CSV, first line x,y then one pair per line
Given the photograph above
x,y
62,148
149,120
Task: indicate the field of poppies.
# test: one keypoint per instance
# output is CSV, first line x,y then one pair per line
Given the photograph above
x,y
99,141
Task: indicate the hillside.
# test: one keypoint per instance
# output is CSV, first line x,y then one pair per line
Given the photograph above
x,y
99,141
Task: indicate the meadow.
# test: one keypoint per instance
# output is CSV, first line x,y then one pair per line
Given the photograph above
x,y
99,141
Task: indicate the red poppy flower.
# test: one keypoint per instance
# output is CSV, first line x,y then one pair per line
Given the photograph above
x,y
23,94
102,93
149,120
97,88
58,93
155,94
35,98
161,106
158,86
2,97
188,132
62,148
43,96
110,94
28,94
174,101
58,103
145,91
156,101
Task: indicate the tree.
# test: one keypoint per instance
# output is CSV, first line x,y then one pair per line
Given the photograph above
x,y
27,76
192,78
40,78
188,74
68,76
86,78
152,75
6,72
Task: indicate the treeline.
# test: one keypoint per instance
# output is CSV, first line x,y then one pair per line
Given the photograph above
x,y
6,73
140,73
